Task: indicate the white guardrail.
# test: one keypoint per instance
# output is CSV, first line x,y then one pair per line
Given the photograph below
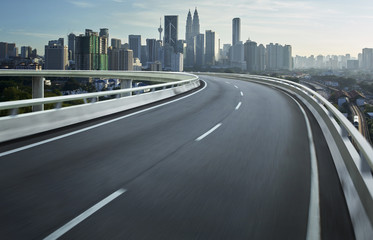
x,y
351,152
16,126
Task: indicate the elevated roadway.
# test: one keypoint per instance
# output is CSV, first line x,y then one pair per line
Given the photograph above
x,y
232,160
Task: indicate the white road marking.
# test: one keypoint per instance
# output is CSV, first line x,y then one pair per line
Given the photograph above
x,y
313,226
238,105
94,126
235,86
68,226
241,93
208,132
228,82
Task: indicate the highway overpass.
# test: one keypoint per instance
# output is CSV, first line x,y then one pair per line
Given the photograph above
x,y
234,157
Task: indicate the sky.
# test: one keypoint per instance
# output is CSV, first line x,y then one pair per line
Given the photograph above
x,y
312,27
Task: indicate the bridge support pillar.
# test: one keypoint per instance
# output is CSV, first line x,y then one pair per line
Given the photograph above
x,y
38,92
125,84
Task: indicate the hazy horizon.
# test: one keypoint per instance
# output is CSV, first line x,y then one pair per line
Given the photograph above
x,y
314,27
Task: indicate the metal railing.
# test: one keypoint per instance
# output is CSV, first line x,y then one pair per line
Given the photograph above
x,y
353,155
20,125
171,79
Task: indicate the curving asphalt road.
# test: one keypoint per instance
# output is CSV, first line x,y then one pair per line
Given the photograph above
x,y
230,161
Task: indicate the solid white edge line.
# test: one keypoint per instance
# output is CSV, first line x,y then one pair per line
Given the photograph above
x,y
208,132
313,225
241,93
68,226
238,105
94,126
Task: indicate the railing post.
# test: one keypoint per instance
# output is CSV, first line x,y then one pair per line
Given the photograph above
x,y
38,92
125,84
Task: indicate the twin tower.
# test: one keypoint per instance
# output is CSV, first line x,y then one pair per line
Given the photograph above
x,y
192,26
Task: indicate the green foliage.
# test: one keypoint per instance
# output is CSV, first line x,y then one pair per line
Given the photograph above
x,y
71,85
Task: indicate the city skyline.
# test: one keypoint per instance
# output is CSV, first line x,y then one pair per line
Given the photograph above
x,y
312,27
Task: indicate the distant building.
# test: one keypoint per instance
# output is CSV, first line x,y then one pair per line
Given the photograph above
x,y
177,62
200,50
236,31
26,51
212,48
151,49
251,56
352,64
135,45
367,59
91,51
171,31
156,66
120,59
71,46
116,43
3,50
56,55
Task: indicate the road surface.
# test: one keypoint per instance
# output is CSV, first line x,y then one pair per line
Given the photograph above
x,y
231,161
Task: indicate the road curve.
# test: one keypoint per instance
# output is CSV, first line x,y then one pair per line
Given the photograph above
x,y
231,161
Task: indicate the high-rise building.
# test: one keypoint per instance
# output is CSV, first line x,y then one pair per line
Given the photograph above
x,y
237,56
116,43
3,50
212,48
128,59
11,50
188,29
144,56
236,30
200,50
120,59
171,31
195,27
367,59
251,56
135,45
71,46
151,49
91,51
56,55
177,62
261,58
26,51
104,32
288,58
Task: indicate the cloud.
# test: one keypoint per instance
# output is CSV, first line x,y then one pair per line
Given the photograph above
x,y
82,4
119,1
33,34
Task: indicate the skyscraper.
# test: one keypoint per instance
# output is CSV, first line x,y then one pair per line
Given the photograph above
x,y
211,48
188,29
91,51
236,30
251,56
171,31
135,45
195,27
151,49
200,49
3,50
56,55
367,58
71,46
116,43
